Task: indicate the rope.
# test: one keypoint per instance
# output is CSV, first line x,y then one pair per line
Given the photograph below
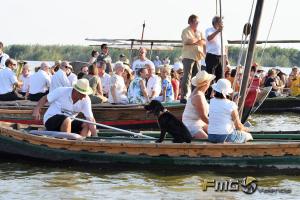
x,y
263,51
275,11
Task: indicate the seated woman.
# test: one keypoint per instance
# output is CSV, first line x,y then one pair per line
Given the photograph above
x,y
271,81
95,83
118,90
195,115
224,122
137,93
127,75
166,94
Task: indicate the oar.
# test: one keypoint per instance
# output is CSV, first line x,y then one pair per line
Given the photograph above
x,y
111,127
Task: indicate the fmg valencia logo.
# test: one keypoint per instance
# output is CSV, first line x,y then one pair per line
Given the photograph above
x,y
248,185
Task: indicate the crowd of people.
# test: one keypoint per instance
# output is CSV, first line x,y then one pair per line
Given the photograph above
x,y
195,77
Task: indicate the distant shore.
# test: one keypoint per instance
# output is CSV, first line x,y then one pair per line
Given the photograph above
x,y
273,56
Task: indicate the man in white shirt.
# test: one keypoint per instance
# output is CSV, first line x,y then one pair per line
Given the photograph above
x,y
3,57
39,83
8,80
65,102
60,79
213,58
104,77
24,78
157,62
153,85
141,61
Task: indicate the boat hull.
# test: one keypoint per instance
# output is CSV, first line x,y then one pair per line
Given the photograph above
x,y
260,154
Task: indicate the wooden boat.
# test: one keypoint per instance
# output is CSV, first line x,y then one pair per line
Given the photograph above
x,y
131,116
280,104
122,116
118,151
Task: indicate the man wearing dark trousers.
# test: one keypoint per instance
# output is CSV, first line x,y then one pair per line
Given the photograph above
x,y
193,50
213,58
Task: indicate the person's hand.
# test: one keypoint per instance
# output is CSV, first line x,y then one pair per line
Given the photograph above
x,y
220,28
36,114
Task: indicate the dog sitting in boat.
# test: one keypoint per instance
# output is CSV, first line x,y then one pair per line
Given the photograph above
x,y
168,123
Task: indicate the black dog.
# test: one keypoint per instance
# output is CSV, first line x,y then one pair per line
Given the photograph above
x,y
168,123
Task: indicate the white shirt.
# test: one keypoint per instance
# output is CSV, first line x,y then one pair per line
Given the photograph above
x,y
25,81
220,120
105,79
7,80
3,59
59,79
214,46
153,84
72,78
137,64
60,99
120,90
39,82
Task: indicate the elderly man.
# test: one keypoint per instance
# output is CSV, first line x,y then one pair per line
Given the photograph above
x,y
193,50
142,60
153,85
39,83
118,90
3,57
60,79
65,102
213,58
8,80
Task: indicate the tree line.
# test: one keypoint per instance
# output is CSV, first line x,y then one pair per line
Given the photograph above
x,y
272,56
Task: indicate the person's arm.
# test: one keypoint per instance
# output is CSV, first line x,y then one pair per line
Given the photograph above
x,y
199,104
99,88
37,110
214,34
237,122
144,91
113,93
164,94
189,39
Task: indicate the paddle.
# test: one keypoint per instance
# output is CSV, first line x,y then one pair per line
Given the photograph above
x,y
110,127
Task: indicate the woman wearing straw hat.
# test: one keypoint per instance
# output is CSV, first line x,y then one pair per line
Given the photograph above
x,y
64,102
224,122
195,115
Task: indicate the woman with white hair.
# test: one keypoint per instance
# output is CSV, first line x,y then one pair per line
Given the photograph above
x,y
117,88
224,122
195,115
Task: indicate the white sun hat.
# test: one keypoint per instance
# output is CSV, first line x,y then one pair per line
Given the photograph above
x,y
201,77
223,86
83,86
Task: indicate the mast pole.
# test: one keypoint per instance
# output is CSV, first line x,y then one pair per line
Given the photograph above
x,y
222,47
250,53
143,32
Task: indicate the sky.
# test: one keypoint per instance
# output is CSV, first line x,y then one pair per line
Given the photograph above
x,y
71,21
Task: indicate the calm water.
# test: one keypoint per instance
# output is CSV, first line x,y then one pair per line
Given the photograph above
x,y
28,180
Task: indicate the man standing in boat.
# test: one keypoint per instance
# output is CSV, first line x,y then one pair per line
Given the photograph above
x,y
213,58
64,102
105,57
193,50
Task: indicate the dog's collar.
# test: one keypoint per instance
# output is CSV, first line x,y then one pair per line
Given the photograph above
x,y
164,111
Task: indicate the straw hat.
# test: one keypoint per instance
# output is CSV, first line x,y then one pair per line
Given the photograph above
x,y
83,86
201,77
223,86
126,66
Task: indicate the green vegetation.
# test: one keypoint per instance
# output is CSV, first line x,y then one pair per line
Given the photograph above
x,y
273,56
